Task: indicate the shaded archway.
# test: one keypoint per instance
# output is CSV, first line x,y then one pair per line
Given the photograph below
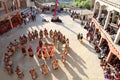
x,y
103,15
96,9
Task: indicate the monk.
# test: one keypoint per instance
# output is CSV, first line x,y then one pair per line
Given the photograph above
x,y
44,69
30,51
51,33
41,34
64,58
40,43
16,43
44,52
55,64
9,68
29,36
33,35
23,50
45,32
51,52
33,73
40,54
36,34
19,73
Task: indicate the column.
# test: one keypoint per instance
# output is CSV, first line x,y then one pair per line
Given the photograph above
x,y
95,31
101,41
100,10
5,7
11,25
17,7
113,16
109,57
107,19
94,8
117,37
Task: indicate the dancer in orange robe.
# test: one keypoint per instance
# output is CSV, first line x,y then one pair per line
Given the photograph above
x,y
40,54
30,51
23,50
51,52
45,52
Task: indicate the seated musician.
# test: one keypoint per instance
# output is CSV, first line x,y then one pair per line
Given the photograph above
x,y
33,73
9,68
6,58
12,47
19,73
17,69
16,43
30,51
44,69
55,64
10,53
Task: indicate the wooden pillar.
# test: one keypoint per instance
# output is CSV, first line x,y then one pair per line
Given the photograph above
x,y
17,7
107,19
117,37
95,31
109,56
11,25
5,7
101,41
99,14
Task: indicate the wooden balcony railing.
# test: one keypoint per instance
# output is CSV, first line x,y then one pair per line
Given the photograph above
x,y
112,46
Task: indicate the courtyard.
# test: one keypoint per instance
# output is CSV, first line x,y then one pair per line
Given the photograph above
x,y
82,61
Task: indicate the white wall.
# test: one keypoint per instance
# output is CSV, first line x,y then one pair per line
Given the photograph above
x,y
115,1
29,3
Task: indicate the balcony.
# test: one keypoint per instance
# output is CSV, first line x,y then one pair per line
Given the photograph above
x,y
114,47
3,14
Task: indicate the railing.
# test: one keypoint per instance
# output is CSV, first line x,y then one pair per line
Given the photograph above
x,y
112,46
112,3
6,16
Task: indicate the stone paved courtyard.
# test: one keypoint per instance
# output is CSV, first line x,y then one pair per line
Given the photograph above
x,y
82,62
